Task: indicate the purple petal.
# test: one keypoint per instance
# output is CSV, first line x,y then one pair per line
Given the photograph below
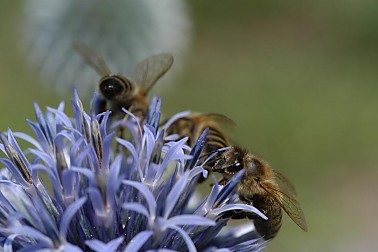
x,y
15,172
54,179
138,241
175,194
68,214
40,136
61,115
67,135
114,180
30,232
153,115
196,171
137,207
106,150
68,185
28,138
170,156
44,157
86,172
229,187
133,152
97,200
134,118
98,246
185,236
8,243
149,140
245,207
43,125
197,149
175,117
210,198
189,219
151,202
68,247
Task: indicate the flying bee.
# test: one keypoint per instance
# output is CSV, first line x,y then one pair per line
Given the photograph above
x,y
194,124
261,186
117,91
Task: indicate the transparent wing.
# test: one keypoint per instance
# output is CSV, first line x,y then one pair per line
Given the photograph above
x,y
285,195
285,184
92,58
150,70
218,118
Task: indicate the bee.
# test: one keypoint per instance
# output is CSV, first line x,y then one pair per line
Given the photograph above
x,y
117,91
264,188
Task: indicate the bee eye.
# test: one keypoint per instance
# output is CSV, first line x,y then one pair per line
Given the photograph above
x,y
234,168
111,87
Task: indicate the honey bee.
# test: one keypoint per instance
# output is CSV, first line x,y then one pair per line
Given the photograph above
x,y
261,186
117,91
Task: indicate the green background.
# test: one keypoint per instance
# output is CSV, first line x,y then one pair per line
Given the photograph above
x,y
299,78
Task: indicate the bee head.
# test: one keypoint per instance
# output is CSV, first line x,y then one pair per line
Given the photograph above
x,y
113,87
230,161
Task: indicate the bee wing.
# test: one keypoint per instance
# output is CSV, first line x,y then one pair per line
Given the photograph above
x,y
92,58
219,118
285,195
285,183
151,69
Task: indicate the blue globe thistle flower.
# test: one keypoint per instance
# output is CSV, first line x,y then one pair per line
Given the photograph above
x,y
80,188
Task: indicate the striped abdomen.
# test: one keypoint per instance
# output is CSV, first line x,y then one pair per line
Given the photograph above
x,y
194,124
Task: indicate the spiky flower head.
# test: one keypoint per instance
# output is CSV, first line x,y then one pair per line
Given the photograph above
x,y
80,188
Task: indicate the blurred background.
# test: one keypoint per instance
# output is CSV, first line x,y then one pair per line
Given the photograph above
x,y
300,80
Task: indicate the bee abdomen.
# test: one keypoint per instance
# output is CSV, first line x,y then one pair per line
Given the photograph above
x,y
214,141
183,127
268,229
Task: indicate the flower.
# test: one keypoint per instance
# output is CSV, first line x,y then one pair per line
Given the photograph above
x,y
80,188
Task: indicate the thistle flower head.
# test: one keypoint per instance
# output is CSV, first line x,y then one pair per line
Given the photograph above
x,y
80,188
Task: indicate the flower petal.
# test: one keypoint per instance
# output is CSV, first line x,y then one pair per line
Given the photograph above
x,y
175,194
138,241
188,219
99,246
68,215
185,236
150,199
139,208
245,207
